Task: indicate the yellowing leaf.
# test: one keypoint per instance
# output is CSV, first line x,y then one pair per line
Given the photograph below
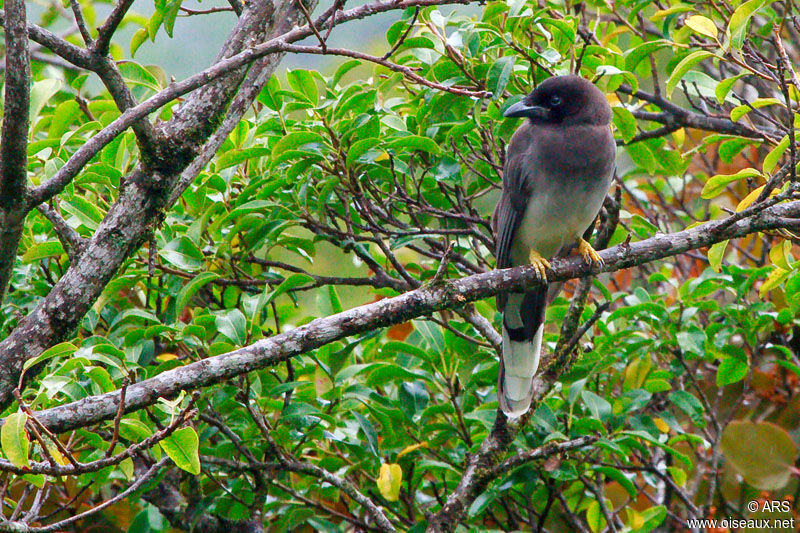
x,y
383,157
679,136
748,200
763,452
166,356
182,447
389,481
677,474
664,13
702,25
774,279
715,255
635,519
779,255
636,373
619,31
413,447
14,439
662,426
594,517
56,454
737,25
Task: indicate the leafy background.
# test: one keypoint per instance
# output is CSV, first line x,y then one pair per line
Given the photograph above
x,y
340,189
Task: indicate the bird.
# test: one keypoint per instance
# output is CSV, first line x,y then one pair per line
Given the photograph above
x,y
558,170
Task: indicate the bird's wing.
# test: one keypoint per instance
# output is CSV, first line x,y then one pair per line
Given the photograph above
x,y
514,199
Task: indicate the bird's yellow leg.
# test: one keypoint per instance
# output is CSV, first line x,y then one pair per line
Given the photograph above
x,y
539,263
589,254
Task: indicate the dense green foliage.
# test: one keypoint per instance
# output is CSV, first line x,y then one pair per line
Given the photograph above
x,y
335,191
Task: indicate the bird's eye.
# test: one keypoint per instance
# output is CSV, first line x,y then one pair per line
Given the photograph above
x,y
555,100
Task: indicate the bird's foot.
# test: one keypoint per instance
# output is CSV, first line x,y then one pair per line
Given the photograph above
x,y
540,264
589,254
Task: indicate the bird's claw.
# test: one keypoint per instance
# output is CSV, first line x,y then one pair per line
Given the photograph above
x,y
540,264
589,254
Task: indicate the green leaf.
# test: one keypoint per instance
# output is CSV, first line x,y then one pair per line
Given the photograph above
x,y
233,325
137,40
683,67
191,288
737,26
499,74
653,517
42,250
724,87
304,83
40,94
689,404
598,406
369,433
763,452
594,517
359,148
328,301
625,123
636,55
234,157
292,282
775,155
415,142
270,95
65,114
64,348
619,477
413,397
739,111
170,12
183,448
677,474
295,140
731,370
14,439
716,184
643,156
138,76
183,253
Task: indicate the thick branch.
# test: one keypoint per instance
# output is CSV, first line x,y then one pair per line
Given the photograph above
x,y
14,138
423,301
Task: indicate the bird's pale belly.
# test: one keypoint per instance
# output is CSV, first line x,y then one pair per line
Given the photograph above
x,y
554,219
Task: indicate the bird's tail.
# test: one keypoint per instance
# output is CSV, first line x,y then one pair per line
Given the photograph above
x,y
523,322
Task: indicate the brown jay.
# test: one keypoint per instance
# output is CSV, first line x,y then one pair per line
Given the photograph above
x,y
559,166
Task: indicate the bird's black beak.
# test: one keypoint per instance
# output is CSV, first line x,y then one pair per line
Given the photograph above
x,y
521,109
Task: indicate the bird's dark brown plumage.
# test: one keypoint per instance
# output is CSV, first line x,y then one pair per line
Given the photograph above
x,y
559,165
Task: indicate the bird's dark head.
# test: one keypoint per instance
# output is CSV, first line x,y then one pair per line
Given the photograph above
x,y
564,100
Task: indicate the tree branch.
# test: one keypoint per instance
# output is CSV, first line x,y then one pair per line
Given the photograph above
x,y
426,300
106,31
14,139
